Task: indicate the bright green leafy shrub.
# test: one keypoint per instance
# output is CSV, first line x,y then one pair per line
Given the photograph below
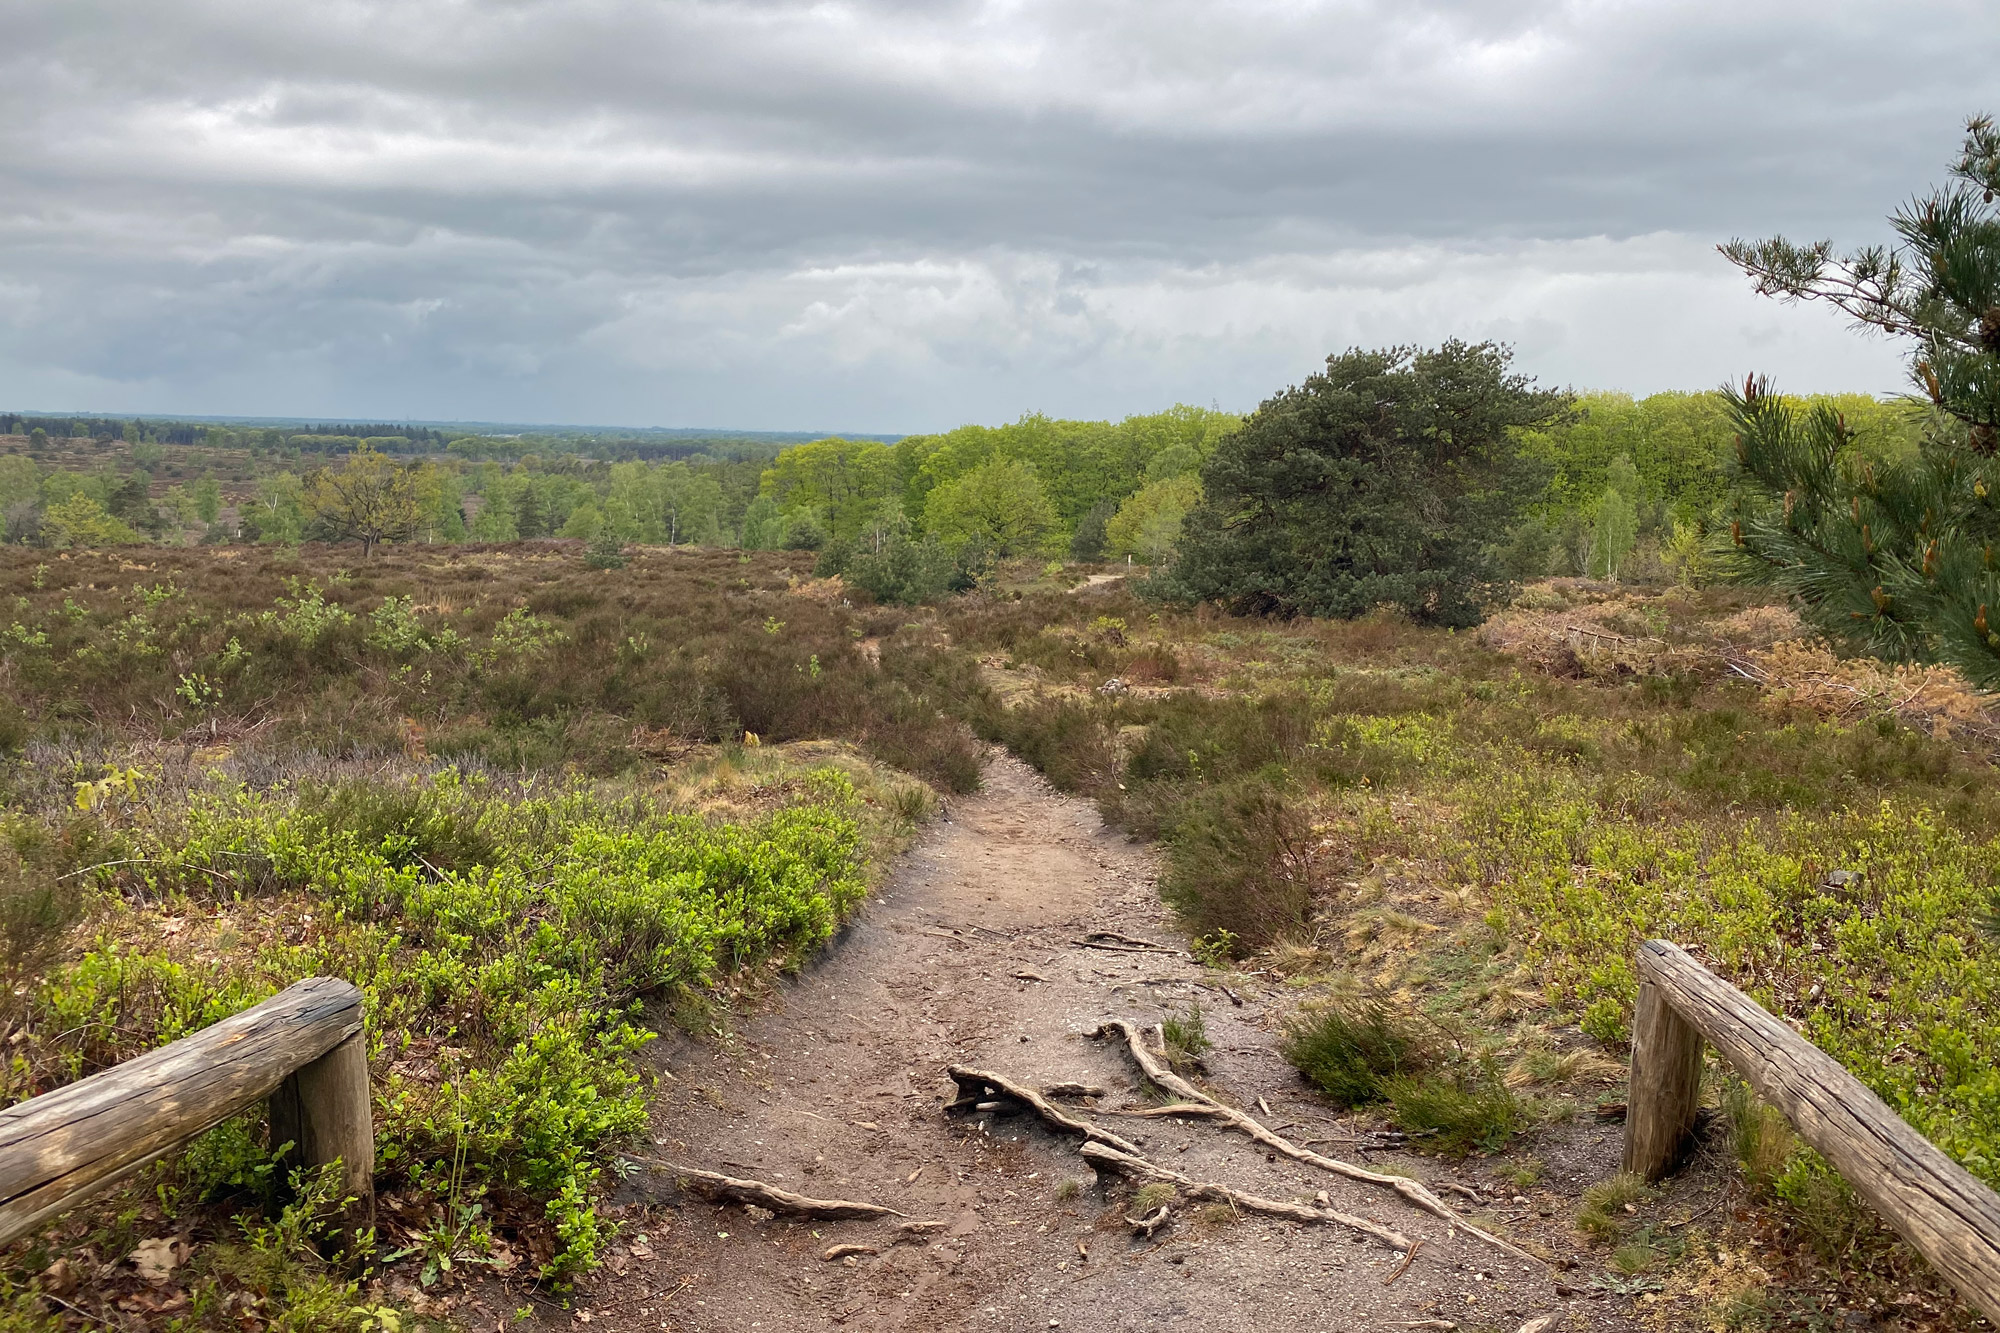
x,y
503,946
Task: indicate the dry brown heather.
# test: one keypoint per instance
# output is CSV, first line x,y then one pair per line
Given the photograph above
x,y
168,464
675,649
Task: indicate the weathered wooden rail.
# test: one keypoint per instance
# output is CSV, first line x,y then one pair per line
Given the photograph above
x,y
1947,1215
302,1048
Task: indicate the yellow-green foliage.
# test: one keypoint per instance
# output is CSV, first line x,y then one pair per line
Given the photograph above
x,y
506,941
1583,815
1888,974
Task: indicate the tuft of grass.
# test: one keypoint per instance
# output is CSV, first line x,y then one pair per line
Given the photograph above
x,y
1539,1066
1603,1215
1349,1052
1463,1110
1759,1134
1646,1249
1217,1215
913,803
1186,1039
1152,1196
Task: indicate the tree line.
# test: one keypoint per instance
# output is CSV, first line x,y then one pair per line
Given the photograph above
x,y
1601,485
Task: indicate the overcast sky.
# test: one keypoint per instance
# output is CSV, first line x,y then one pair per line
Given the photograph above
x,y
896,215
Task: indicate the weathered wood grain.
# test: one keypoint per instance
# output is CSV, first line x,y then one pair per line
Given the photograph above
x,y
1950,1217
1666,1086
59,1149
324,1110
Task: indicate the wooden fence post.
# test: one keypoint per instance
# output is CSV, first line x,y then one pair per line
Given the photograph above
x,y
63,1147
1947,1215
1666,1086
323,1111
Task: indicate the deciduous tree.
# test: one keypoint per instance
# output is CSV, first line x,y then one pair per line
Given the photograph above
x,y
368,499
999,505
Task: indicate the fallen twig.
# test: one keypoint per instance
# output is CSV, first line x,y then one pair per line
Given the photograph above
x,y
1130,1164
1150,1223
737,1190
1113,937
1409,1257
1412,1190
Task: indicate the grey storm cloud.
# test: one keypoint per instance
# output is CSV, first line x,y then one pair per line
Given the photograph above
x,y
903,215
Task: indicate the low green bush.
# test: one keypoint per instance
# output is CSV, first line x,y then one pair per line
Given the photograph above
x,y
1461,1109
504,946
1350,1051
1185,1036
1241,857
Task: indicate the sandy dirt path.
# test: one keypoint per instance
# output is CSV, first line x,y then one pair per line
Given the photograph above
x,y
968,955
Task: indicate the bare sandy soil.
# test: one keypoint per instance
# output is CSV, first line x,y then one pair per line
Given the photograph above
x,y
970,955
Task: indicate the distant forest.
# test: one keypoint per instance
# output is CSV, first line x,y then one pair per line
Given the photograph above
x,y
1633,485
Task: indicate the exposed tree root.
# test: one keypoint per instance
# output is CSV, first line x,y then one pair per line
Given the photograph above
x,y
1127,1164
834,1252
735,1190
1072,1090
1173,1108
1156,1069
977,1086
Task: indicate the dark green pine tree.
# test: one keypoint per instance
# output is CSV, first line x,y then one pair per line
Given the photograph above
x,y
1389,477
1900,559
530,517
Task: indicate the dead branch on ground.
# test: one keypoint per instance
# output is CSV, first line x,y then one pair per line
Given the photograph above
x,y
1112,942
834,1252
1408,1258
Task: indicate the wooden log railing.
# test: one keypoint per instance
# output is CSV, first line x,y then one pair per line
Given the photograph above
x,y
1947,1215
302,1049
